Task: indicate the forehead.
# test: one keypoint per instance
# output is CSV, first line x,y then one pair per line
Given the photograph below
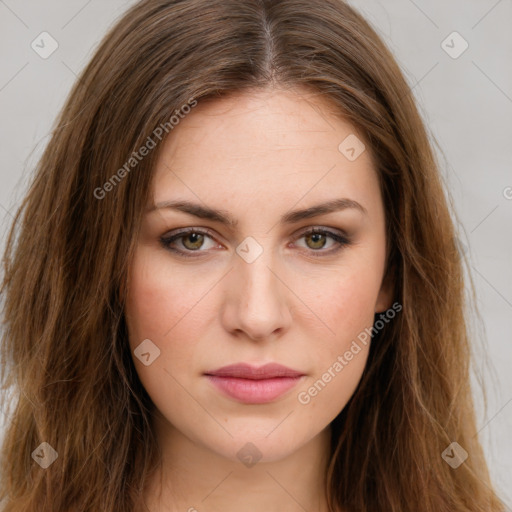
x,y
272,145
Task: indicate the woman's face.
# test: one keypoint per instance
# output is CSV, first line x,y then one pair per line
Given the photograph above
x,y
263,289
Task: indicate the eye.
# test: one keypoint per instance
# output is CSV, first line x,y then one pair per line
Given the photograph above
x,y
192,240
316,239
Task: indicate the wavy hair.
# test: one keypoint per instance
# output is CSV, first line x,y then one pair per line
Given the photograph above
x,y
65,356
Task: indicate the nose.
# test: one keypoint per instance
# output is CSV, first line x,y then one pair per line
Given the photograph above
x,y
256,300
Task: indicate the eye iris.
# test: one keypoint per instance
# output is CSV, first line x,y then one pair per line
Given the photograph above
x,y
198,240
316,237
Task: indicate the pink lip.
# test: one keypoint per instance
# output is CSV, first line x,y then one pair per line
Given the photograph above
x,y
254,385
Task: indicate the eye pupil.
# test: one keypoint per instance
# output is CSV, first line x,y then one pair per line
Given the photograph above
x,y
190,241
318,237
198,240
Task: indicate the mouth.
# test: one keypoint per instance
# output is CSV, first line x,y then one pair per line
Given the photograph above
x,y
254,385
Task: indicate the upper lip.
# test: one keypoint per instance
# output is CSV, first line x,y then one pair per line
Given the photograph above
x,y
247,371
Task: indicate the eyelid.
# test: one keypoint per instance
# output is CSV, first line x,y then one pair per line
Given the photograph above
x,y
177,234
322,229
340,238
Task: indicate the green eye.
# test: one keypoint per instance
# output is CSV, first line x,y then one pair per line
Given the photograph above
x,y
192,240
316,240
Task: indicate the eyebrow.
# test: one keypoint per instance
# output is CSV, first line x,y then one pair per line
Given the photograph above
x,y
223,217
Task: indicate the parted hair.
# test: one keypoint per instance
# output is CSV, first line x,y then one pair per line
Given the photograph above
x,y
67,373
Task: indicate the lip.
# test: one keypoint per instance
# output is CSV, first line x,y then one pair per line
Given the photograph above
x,y
254,385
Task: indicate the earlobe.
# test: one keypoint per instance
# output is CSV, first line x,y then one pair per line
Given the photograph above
x,y
386,292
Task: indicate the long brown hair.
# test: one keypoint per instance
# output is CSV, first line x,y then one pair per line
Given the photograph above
x,y
65,354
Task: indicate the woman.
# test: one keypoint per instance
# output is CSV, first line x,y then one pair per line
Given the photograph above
x,y
236,281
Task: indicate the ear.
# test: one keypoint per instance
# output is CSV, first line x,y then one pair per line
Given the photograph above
x,y
386,292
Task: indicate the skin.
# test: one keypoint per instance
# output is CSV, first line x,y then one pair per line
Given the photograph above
x,y
255,155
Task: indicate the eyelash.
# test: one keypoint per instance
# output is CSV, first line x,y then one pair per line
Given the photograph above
x,y
341,240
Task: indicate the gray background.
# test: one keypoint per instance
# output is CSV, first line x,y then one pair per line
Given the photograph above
x,y
466,103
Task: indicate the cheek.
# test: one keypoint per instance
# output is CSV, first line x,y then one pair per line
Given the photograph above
x,y
157,300
345,302
163,307
348,309
172,307
325,395
355,305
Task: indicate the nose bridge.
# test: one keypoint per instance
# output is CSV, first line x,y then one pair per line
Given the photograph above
x,y
253,268
257,297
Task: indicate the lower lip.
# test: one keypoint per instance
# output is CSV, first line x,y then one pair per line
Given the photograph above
x,y
254,391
